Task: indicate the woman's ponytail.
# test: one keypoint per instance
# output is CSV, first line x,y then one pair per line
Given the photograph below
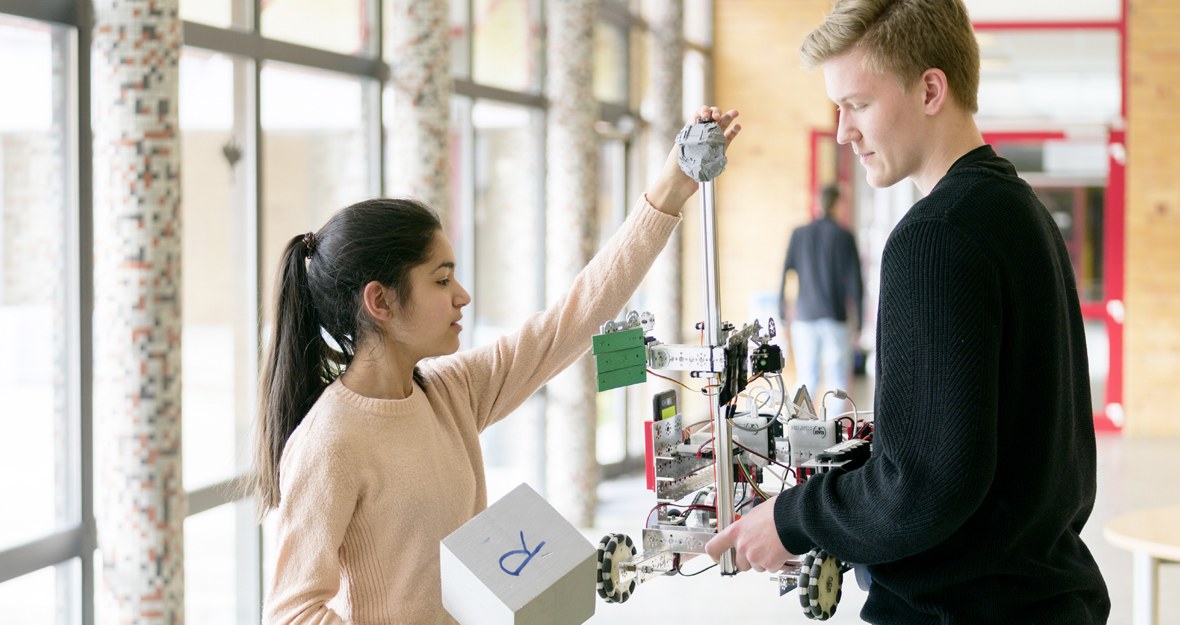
x,y
320,293
298,367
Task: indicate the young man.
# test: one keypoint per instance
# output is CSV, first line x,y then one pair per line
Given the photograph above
x,y
983,466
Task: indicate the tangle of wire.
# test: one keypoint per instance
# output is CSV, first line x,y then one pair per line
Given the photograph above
x,y
703,391
687,508
750,481
770,396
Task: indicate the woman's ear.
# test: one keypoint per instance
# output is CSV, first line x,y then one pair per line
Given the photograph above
x,y
378,301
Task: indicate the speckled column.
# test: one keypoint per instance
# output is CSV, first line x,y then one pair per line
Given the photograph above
x,y
666,91
571,190
140,500
419,134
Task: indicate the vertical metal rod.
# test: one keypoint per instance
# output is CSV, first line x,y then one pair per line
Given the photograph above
x,y
722,436
84,151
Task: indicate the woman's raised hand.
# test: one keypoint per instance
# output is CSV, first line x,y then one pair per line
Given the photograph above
x,y
672,189
723,119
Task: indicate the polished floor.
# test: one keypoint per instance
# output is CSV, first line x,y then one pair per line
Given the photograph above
x,y
1133,475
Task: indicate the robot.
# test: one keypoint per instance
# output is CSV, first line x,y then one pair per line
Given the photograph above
x,y
704,479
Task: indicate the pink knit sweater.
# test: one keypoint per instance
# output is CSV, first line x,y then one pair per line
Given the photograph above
x,y
369,487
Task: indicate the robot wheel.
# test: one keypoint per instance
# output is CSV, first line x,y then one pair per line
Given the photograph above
x,y
820,585
613,549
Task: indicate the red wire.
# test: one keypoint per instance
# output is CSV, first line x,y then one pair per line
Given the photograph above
x,y
736,444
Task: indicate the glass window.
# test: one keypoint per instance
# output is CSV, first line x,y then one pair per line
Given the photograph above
x,y
336,25
213,543
508,267
503,42
218,288
612,210
43,596
460,39
217,13
37,460
315,155
639,67
695,92
698,21
610,70
270,553
506,218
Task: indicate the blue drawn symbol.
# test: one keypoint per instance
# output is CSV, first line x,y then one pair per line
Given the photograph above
x,y
523,551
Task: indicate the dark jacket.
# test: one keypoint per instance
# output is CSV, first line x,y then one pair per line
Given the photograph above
x,y
983,469
824,255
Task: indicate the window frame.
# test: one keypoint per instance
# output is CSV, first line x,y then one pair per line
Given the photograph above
x,y
60,548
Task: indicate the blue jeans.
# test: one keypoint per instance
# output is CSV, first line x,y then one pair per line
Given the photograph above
x,y
822,344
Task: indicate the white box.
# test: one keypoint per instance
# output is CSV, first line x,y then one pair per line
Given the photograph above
x,y
518,563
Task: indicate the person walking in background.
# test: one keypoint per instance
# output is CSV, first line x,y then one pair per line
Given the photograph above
x,y
823,255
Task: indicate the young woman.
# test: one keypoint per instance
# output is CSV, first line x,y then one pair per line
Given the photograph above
x,y
370,468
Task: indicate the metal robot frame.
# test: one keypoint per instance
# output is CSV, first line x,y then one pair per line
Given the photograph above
x,y
679,469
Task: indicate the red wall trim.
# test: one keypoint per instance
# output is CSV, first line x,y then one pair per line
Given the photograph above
x,y
1021,137
1114,257
1092,25
1093,310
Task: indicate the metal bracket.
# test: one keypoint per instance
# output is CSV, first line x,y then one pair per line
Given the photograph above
x,y
706,358
676,540
641,568
634,319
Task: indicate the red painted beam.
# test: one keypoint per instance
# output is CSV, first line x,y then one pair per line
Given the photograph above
x,y
1100,25
1022,137
1093,310
1114,259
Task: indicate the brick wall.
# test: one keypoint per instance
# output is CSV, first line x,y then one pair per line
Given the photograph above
x,y
1152,350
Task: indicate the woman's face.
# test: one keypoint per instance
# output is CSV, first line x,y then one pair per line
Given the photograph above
x,y
428,325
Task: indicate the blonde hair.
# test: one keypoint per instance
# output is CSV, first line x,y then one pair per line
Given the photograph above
x,y
904,38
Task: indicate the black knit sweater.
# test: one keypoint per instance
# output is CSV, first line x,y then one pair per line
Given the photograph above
x,y
983,466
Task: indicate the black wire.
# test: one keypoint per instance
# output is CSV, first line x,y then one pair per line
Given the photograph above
x,y
678,572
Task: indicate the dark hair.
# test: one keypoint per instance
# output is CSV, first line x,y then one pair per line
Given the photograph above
x,y
320,291
827,198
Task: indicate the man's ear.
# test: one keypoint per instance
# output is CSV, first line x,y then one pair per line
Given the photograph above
x,y
935,91
378,301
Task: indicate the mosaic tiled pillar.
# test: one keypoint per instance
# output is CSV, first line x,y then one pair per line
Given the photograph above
x,y
666,91
140,500
419,134
571,153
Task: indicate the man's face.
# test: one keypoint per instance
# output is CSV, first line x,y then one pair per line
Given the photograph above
x,y
885,125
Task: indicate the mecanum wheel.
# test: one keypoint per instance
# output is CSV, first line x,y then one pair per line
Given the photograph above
x,y
612,550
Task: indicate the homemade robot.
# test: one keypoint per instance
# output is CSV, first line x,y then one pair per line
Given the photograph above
x,y
706,478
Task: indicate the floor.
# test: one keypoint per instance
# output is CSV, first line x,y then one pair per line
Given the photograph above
x,y
1132,475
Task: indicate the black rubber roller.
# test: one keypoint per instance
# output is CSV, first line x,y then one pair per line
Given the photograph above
x,y
820,584
613,549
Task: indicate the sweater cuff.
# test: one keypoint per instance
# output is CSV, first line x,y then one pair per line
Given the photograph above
x,y
788,522
648,217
